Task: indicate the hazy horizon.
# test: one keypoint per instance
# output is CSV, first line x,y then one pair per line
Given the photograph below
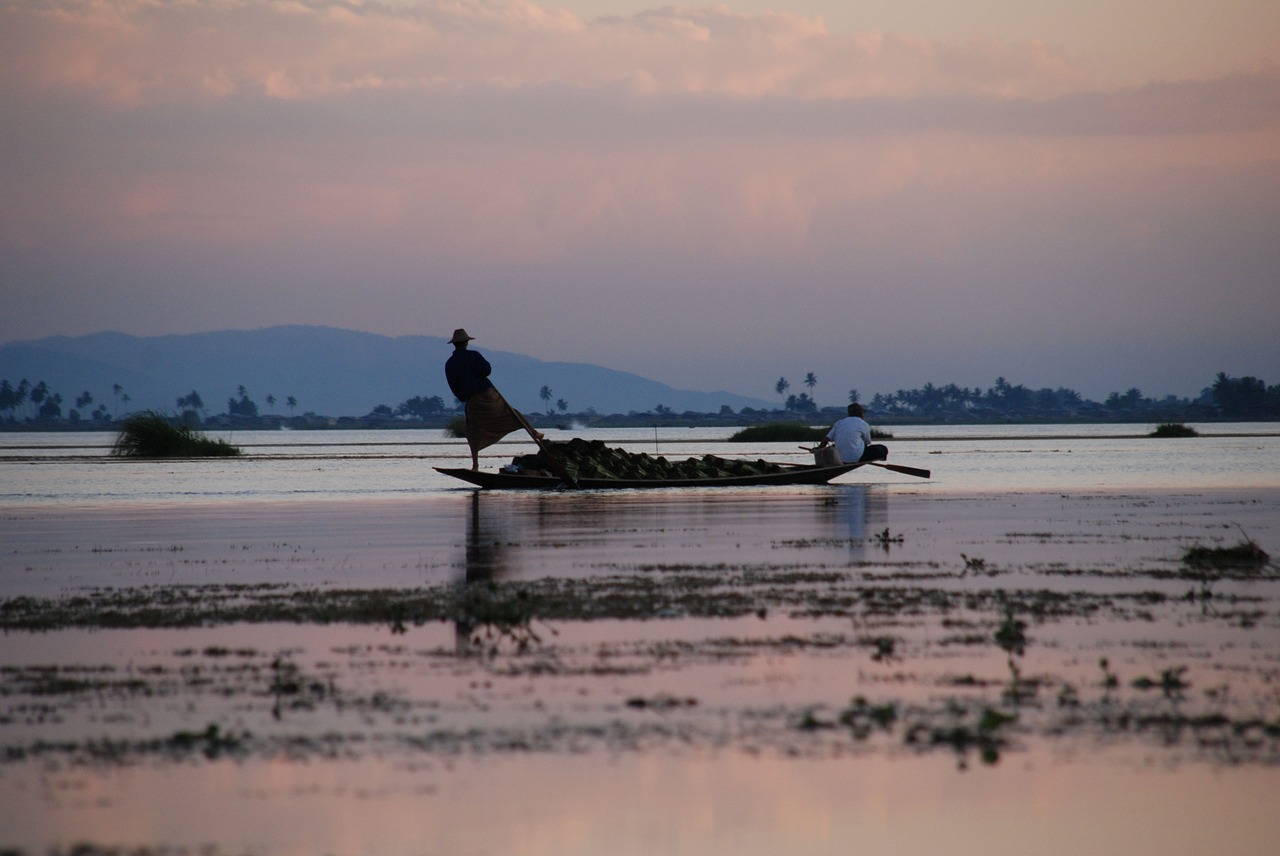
x,y
713,197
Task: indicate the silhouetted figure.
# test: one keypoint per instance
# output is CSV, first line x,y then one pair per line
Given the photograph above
x,y
852,438
489,417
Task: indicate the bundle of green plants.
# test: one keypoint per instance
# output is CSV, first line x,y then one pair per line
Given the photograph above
x,y
778,432
1173,429
153,435
456,427
593,459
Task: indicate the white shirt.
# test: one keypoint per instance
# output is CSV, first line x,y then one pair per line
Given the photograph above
x,y
851,436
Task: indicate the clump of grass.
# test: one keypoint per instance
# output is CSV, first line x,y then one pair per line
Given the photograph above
x,y
456,427
1174,429
153,435
1245,555
777,432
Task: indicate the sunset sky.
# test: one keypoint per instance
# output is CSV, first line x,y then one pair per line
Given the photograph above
x,y
885,193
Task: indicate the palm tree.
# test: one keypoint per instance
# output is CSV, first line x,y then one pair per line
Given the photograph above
x,y
810,380
271,401
781,386
853,396
545,395
192,402
116,390
52,406
291,403
38,394
562,405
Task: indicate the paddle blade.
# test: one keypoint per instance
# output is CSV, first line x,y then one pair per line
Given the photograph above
x,y
906,471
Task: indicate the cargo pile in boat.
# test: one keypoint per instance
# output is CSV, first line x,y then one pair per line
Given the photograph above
x,y
592,459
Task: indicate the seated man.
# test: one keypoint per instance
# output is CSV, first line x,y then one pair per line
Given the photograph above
x,y
852,438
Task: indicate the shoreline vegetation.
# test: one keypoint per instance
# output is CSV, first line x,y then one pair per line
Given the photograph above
x,y
784,426
762,422
24,407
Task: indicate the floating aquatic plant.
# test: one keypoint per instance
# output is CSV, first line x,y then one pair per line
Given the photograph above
x,y
1173,429
778,432
1171,682
1244,555
153,435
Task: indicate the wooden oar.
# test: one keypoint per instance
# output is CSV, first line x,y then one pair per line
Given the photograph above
x,y
552,457
898,468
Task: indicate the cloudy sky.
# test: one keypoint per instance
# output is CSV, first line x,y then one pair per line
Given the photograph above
x,y
885,193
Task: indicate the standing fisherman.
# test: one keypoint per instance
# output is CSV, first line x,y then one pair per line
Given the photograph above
x,y
489,417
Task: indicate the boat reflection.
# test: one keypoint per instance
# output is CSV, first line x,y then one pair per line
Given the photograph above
x,y
576,534
860,510
485,557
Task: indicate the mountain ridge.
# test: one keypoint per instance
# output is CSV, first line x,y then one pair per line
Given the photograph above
x,y
330,371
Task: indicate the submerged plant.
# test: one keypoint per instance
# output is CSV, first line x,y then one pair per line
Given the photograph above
x,y
987,736
153,435
1011,634
1171,682
1110,680
485,614
861,717
885,538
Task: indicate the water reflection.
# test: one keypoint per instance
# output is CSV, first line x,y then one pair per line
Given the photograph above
x,y
486,558
539,535
491,610
485,562
861,510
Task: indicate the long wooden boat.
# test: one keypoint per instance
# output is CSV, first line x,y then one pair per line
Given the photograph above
x,y
791,474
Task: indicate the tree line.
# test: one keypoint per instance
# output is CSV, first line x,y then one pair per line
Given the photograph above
x,y
27,402
1244,398
1236,398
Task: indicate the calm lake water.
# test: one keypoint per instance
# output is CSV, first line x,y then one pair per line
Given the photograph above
x,y
69,469
810,670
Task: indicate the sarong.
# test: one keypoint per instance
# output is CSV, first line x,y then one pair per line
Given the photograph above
x,y
489,419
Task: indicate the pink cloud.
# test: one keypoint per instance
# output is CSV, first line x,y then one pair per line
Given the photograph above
x,y
358,161
134,52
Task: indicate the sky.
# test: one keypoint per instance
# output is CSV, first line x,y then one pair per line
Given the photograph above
x,y
885,193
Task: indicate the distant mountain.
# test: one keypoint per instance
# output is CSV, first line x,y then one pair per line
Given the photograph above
x,y
329,371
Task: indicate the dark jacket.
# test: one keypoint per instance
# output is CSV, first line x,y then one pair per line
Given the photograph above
x,y
467,373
